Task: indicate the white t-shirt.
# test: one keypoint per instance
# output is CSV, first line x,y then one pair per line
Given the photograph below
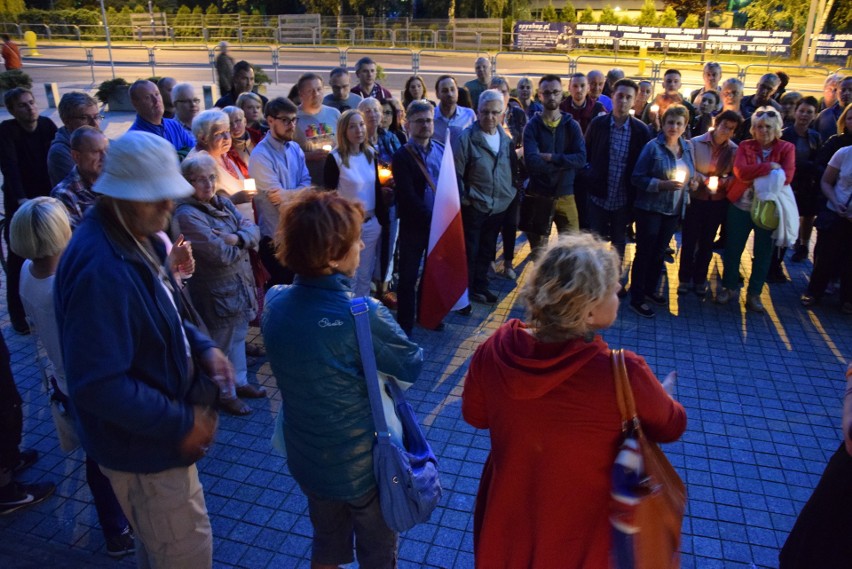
x,y
358,181
37,298
493,141
842,160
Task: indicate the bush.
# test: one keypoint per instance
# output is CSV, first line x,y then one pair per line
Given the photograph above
x,y
260,76
15,78
107,88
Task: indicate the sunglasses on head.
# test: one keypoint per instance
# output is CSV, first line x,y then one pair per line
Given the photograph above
x,y
770,114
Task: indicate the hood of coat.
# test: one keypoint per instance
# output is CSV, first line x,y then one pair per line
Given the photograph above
x,y
529,368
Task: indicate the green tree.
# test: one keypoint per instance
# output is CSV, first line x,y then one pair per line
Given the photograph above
x,y
568,12
549,13
197,10
668,19
587,16
608,16
691,21
648,14
840,19
775,14
12,7
494,8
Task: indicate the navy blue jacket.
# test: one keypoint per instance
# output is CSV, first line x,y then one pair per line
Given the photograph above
x,y
596,176
124,351
565,142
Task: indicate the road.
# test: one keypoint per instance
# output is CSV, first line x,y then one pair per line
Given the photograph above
x,y
67,64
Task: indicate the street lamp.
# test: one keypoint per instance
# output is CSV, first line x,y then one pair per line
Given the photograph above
x,y
109,41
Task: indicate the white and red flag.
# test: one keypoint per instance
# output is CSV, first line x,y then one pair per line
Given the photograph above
x,y
444,285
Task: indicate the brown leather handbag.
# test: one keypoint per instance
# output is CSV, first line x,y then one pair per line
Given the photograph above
x,y
659,514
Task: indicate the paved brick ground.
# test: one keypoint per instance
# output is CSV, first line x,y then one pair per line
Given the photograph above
x,y
762,393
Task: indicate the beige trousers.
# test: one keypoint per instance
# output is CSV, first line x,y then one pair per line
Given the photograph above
x,y
168,514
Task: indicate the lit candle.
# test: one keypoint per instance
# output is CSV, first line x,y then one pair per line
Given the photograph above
x,y
632,112
326,147
249,185
655,108
713,184
384,175
680,175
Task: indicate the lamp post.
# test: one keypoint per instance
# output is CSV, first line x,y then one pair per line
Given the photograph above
x,y
108,40
704,35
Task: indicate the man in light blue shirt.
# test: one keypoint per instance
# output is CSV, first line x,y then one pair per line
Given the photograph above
x,y
448,115
277,165
146,99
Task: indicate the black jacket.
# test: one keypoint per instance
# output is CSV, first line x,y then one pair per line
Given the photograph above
x,y
595,175
414,216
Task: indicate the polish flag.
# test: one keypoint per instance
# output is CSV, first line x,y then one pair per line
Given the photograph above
x,y
444,285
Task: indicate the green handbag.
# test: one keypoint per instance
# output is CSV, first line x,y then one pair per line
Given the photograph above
x,y
764,214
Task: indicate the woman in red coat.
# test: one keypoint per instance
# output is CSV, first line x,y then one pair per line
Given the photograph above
x,y
755,158
546,391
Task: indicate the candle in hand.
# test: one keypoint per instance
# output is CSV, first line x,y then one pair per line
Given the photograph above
x,y
680,175
713,184
249,185
326,147
655,108
632,112
384,175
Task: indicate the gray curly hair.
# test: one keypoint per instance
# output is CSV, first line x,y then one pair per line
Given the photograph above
x,y
572,275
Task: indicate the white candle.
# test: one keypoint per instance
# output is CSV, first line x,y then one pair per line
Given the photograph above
x,y
326,147
680,175
713,184
249,185
655,108
632,112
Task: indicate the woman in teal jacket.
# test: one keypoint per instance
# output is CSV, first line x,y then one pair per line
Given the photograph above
x,y
309,333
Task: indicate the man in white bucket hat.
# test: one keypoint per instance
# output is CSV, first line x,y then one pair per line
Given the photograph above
x,y
133,362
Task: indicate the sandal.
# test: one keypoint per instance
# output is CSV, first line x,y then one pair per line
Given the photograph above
x,y
235,406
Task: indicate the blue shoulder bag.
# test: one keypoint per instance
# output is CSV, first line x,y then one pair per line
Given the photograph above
x,y
407,475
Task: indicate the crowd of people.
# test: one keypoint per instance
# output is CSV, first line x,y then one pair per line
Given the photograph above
x,y
164,242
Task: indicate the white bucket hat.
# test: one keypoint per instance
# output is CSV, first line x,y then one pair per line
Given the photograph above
x,y
142,167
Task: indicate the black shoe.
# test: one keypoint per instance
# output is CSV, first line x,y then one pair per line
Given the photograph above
x,y
719,244
484,296
120,545
15,496
439,328
642,309
465,311
21,328
659,299
622,292
28,458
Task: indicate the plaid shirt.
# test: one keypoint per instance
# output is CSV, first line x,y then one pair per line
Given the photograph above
x,y
75,196
619,146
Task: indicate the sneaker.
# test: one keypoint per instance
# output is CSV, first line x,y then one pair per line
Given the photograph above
x,y
120,545
801,254
684,288
701,289
723,296
28,458
483,296
659,299
808,300
464,311
753,303
642,309
509,273
15,496
21,328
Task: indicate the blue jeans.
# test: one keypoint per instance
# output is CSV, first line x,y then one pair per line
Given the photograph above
x,y
653,233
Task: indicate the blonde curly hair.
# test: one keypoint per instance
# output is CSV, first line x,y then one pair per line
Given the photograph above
x,y
572,275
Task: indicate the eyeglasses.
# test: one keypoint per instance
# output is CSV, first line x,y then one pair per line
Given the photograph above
x,y
90,118
196,181
549,93
286,120
222,134
195,101
770,114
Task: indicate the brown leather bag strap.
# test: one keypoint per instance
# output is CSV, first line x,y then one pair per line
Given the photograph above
x,y
423,169
623,391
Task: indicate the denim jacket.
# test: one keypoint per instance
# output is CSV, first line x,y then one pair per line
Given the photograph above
x,y
657,163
